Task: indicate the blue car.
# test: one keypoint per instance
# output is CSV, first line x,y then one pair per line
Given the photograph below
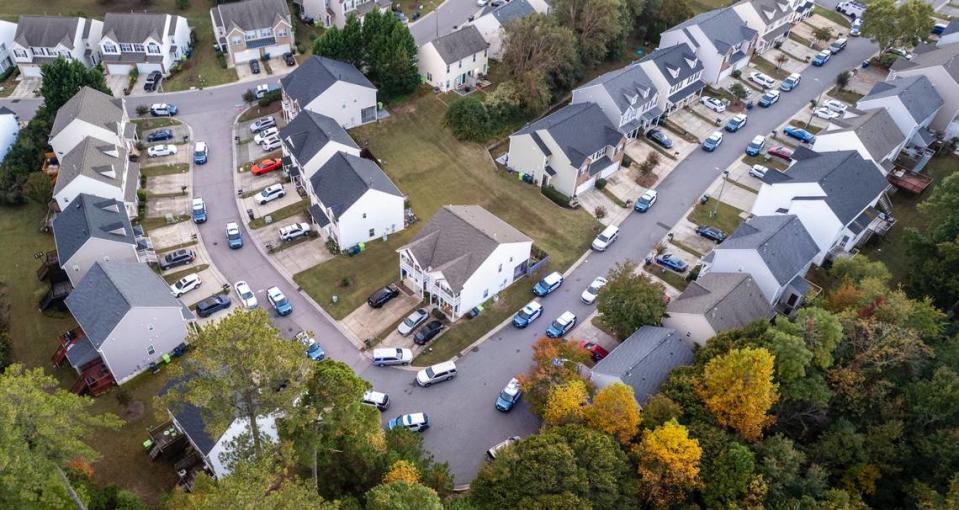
x,y
736,123
670,261
547,285
712,141
160,135
528,314
660,138
199,210
821,58
562,325
646,201
509,397
313,349
756,146
279,301
799,134
233,236
200,153
770,98
791,82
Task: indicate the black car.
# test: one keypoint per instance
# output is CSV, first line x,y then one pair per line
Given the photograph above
x,y
383,296
288,58
255,66
176,258
711,233
153,81
211,305
660,138
428,332
160,135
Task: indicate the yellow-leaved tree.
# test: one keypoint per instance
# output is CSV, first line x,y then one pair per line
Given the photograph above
x,y
565,403
614,411
738,388
668,464
402,471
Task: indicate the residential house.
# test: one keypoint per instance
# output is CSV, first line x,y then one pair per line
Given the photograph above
x,y
42,39
772,19
627,97
455,60
9,129
309,141
775,250
335,12
912,102
643,361
677,74
720,38
91,230
251,29
129,319
330,87
568,149
941,67
874,134
463,257
354,202
91,113
100,169
714,303
492,21
145,41
8,31
950,34
836,195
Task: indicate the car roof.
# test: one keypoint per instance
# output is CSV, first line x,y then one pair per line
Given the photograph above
x,y
716,134
610,230
795,75
740,116
201,144
759,139
553,277
532,305
274,291
443,366
417,417
374,396
197,200
649,193
567,316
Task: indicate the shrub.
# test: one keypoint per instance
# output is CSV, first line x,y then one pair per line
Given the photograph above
x,y
182,4
249,96
123,396
142,196
887,59
332,247
600,183
627,161
737,73
269,98
439,315
556,196
143,110
221,59
600,212
132,77
469,119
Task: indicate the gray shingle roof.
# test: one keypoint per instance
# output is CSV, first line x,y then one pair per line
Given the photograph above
x,y
253,14
675,63
579,129
317,74
727,300
722,26
946,56
460,44
623,84
46,31
458,238
134,27
770,10
92,106
513,10
110,290
87,217
781,240
917,94
643,361
345,178
91,159
190,419
877,131
309,132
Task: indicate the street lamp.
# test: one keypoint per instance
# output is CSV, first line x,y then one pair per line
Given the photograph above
x,y
722,186
812,111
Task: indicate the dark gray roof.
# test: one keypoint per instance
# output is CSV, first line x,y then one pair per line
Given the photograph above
x,y
770,10
688,90
624,84
345,178
110,290
458,238
723,27
917,94
309,132
727,300
675,63
875,129
513,10
775,33
460,44
317,74
579,129
134,27
781,240
643,361
89,216
945,56
190,419
47,31
253,14
91,158
92,106
81,353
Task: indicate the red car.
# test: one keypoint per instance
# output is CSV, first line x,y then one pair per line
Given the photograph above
x,y
266,166
781,152
595,350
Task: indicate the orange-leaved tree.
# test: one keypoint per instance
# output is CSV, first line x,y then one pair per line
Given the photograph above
x,y
614,410
738,388
554,363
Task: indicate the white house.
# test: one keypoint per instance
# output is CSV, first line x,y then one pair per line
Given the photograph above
x,y
128,317
148,42
309,141
8,31
91,230
100,169
873,134
354,202
454,60
834,194
941,67
626,96
463,257
720,38
9,129
643,361
677,74
332,88
41,39
772,19
330,13
251,29
568,149
91,113
714,303
492,21
912,102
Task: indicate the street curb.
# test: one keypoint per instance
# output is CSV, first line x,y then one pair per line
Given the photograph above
x,y
220,86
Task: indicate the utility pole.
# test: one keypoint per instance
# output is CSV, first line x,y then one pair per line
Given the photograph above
x,y
722,186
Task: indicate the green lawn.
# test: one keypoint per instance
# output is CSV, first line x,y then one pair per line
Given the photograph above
x,y
799,39
147,123
769,68
726,217
168,169
282,213
846,96
773,162
10,84
831,15
674,279
202,69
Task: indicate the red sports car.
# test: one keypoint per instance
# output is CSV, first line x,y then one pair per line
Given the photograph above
x,y
595,350
781,152
266,166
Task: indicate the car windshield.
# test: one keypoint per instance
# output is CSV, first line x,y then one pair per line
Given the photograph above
x,y
644,199
233,234
602,238
180,284
557,325
246,294
525,313
281,302
411,321
506,396
430,373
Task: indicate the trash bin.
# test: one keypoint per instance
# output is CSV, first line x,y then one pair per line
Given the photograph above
x,y
249,212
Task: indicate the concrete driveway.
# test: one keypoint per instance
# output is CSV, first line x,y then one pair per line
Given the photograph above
x,y
302,256
211,283
166,237
181,135
27,88
368,322
182,156
200,260
117,83
694,124
166,184
260,211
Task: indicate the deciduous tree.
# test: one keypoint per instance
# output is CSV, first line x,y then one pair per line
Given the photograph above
x,y
535,47
402,471
554,363
402,496
630,300
668,464
596,24
728,477
566,403
738,389
614,410
64,78
888,25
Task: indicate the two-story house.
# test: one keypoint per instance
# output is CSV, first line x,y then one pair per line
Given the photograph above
x,y
836,196
455,60
251,29
332,88
941,67
42,39
772,19
491,23
677,74
627,97
147,42
720,38
91,113
354,202
714,303
568,149
463,257
336,12
101,169
8,31
873,133
912,102
91,230
309,141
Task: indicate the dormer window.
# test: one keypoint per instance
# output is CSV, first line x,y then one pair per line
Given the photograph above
x,y
691,62
109,47
153,48
126,47
674,72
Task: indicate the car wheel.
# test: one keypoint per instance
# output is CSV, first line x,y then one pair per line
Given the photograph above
x,y
405,363
427,385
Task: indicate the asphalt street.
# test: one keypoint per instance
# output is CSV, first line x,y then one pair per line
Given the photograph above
x,y
451,13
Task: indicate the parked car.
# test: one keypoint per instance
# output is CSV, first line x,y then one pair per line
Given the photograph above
x,y
212,304
939,28
713,103
376,399
288,58
152,81
562,325
758,171
246,295
509,396
499,447
313,349
276,298
660,137
158,151
163,110
200,153
756,145
262,123
382,296
711,233
270,193
838,45
596,351
799,134
851,8
791,82
177,258
266,166
646,201
782,153
185,284
712,141
673,262
417,422
821,58
391,356
294,231
160,135
528,314
199,210
437,373
548,284
592,292
261,90
836,105
271,143
769,98
856,29
605,238
736,122
763,80
264,134
825,113
233,236
254,66
413,321
428,332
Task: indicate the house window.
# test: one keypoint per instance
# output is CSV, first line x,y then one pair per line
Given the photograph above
x,y
474,57
266,32
485,293
109,48
126,47
250,36
372,232
461,64
153,48
364,216
138,48
236,41
447,68
500,270
20,53
429,76
151,350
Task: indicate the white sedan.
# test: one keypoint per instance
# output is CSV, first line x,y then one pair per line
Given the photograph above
x,y
266,133
836,105
592,292
245,293
715,104
825,113
156,151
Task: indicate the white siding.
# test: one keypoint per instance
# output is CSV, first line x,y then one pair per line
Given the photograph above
x,y
344,102
125,351
491,30
383,213
433,69
74,133
841,141
219,454
321,157
945,85
84,184
493,275
9,128
694,326
900,115
749,262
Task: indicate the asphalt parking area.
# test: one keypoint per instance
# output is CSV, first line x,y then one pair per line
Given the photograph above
x,y
247,182
368,322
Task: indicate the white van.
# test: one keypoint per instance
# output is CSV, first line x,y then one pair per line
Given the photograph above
x,y
437,373
392,356
606,238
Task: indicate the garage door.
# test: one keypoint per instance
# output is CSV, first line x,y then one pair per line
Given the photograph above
x,y
243,57
586,185
30,71
149,68
119,69
276,50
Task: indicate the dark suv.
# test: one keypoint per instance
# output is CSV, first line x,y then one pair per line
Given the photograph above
x,y
152,81
211,305
428,332
383,296
160,135
177,258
